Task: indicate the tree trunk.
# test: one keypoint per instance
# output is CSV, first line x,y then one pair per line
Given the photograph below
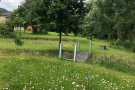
x,y
34,30
20,32
25,27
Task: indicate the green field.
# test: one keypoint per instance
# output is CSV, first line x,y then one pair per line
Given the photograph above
x,y
35,65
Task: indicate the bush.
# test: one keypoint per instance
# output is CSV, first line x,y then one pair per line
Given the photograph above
x,y
133,47
128,44
7,30
18,41
118,42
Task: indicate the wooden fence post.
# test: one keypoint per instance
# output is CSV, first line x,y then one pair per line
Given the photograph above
x,y
75,53
60,51
78,46
90,45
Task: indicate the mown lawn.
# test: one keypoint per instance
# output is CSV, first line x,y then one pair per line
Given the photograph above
x,y
51,36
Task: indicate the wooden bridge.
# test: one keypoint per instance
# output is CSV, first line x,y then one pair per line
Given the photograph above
x,y
77,55
82,56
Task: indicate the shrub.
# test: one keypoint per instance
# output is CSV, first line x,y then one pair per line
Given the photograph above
x,y
7,30
118,42
18,41
128,44
133,47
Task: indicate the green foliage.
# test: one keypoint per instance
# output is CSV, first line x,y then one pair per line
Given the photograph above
x,y
18,41
112,20
17,21
133,48
64,15
6,29
68,15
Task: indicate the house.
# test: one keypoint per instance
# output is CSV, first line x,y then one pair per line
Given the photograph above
x,y
4,14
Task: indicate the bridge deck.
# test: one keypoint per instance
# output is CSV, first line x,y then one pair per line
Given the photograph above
x,y
82,56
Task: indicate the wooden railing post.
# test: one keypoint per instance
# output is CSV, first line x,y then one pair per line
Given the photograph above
x,y
74,58
90,46
60,51
78,46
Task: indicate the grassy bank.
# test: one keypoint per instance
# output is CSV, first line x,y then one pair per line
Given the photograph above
x,y
113,58
35,65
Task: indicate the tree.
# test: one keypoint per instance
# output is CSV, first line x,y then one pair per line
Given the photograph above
x,y
64,15
35,14
67,15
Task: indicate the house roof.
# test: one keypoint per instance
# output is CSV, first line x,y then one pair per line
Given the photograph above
x,y
6,14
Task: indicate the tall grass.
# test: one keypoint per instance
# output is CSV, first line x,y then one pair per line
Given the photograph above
x,y
114,58
44,73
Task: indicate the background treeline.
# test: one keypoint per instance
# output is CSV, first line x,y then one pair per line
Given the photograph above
x,y
113,20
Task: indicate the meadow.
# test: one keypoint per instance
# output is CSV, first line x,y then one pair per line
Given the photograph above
x,y
35,65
